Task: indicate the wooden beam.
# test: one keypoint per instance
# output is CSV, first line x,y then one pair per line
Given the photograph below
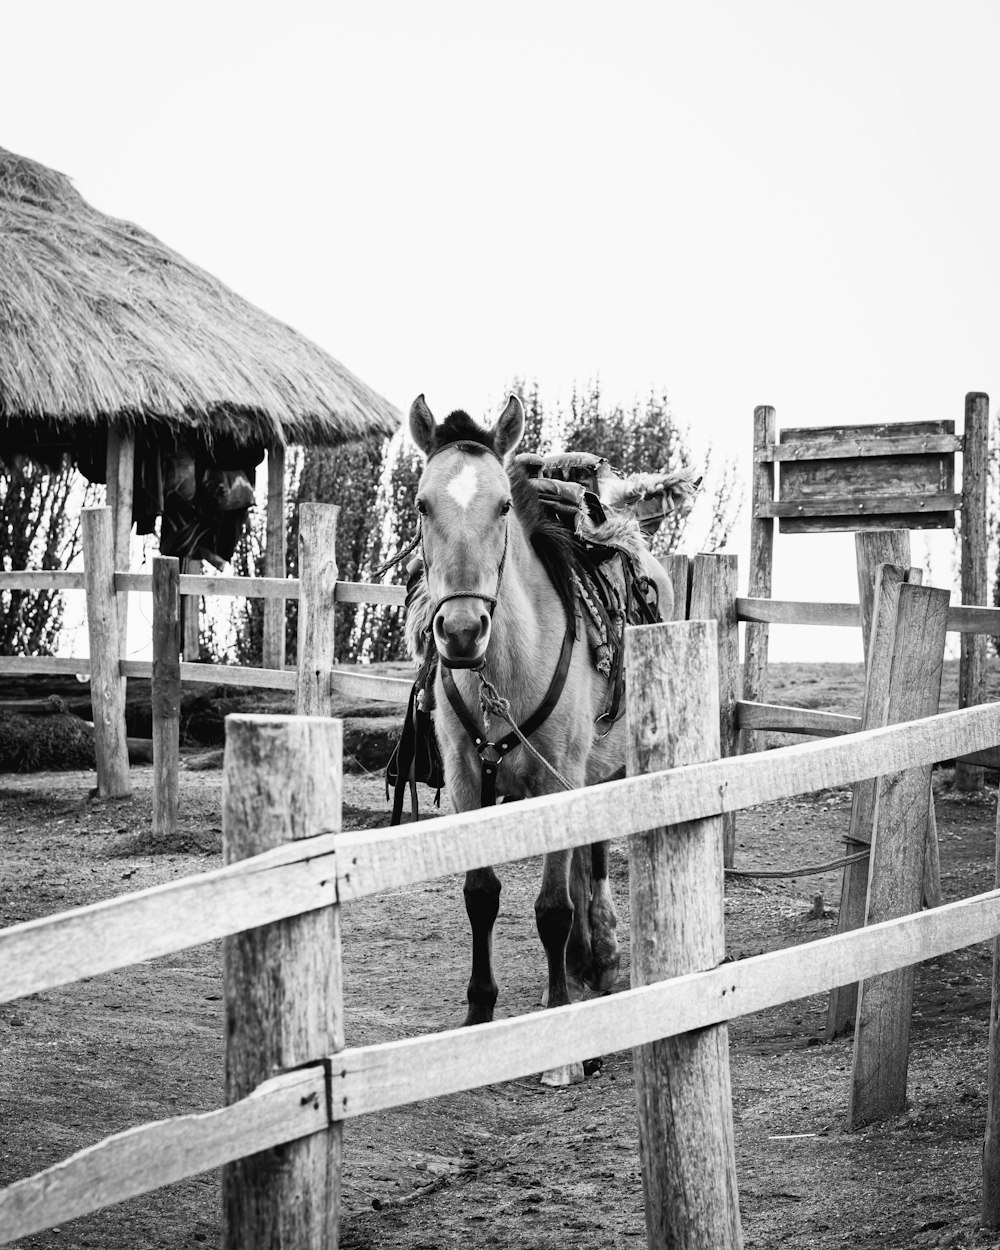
x,y
683,1095
761,562
991,1143
776,718
975,547
848,447
794,612
317,614
896,874
165,695
120,468
106,693
871,505
282,983
190,613
274,558
678,569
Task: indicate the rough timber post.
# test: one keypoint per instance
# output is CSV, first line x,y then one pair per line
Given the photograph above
x,y
678,569
190,613
991,1145
713,598
676,887
761,561
282,982
120,466
274,558
975,545
166,694
106,694
317,616
895,886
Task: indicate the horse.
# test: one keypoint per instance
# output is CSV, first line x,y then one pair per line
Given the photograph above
x,y
500,600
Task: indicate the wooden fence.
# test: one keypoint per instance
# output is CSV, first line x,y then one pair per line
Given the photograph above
x,y
286,879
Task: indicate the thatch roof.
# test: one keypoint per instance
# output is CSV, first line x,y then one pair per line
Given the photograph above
x,y
100,322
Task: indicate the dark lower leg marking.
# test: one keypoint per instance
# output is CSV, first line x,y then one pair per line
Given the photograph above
x,y
482,903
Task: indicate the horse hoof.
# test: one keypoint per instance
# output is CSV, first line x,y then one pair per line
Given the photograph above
x,y
478,1015
575,988
602,979
568,1074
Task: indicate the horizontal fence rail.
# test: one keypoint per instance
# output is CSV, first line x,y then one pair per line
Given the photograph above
x,y
199,584
391,1074
316,872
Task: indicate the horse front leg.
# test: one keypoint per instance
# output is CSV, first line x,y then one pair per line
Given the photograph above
x,y
482,903
605,953
554,913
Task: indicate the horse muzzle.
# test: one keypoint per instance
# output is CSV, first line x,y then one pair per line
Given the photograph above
x,y
462,634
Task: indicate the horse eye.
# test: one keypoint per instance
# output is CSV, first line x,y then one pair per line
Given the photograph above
x,y
505,507
421,507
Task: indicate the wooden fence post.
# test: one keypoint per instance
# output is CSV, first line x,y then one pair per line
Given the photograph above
x,y
895,886
991,1145
274,557
106,695
317,616
761,562
878,619
166,693
975,545
676,888
283,986
678,569
713,598
190,614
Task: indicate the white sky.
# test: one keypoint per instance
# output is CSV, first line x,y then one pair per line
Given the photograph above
x,y
743,201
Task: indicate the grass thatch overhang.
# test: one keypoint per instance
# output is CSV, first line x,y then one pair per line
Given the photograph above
x,y
101,324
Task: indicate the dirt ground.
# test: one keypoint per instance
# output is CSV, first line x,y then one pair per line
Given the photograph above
x,y
517,1164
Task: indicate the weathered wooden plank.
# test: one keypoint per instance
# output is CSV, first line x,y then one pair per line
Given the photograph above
x,y
797,612
885,1003
975,547
713,598
370,592
847,446
870,505
40,579
317,614
761,563
282,982
683,1096
219,675
866,521
165,694
274,558
40,954
44,664
777,718
106,690
190,613
147,1157
392,1074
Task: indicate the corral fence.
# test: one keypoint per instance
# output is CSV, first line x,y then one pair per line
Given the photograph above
x,y
291,1079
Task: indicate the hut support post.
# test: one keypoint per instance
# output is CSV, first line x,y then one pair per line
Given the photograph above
x,y
274,558
885,1003
761,560
975,477
282,982
713,598
683,1091
106,695
120,467
166,694
317,614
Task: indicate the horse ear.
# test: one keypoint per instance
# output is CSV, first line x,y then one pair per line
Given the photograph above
x,y
422,425
509,429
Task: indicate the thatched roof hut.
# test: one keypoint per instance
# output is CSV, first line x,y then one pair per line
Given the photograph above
x,y
101,323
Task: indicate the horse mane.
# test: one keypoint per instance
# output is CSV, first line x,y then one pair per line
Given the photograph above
x,y
459,427
553,543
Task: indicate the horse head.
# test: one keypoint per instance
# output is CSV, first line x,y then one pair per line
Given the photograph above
x,y
464,501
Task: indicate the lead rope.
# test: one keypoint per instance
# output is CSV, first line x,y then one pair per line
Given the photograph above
x,y
493,703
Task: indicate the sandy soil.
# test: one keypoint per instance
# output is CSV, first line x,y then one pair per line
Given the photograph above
x,y
513,1164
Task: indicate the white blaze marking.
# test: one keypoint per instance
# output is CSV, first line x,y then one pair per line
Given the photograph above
x,y
462,486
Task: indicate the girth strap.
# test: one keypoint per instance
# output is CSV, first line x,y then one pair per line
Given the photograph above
x,y
477,735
